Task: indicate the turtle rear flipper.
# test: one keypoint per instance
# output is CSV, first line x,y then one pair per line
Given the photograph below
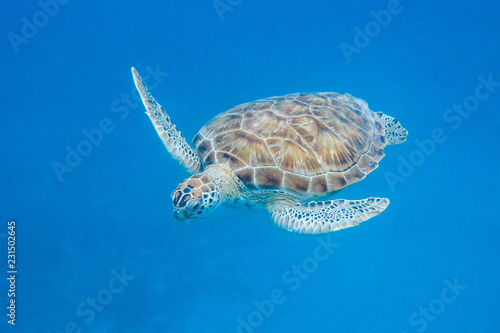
x,y
394,132
171,137
317,217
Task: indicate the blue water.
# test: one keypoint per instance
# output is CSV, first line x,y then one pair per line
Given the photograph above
x,y
97,248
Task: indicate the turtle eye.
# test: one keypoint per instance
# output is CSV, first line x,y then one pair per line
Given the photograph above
x,y
176,196
185,198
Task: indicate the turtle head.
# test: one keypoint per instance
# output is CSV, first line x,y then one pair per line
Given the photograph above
x,y
195,197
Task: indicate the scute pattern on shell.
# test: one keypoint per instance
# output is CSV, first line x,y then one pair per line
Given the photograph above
x,y
309,144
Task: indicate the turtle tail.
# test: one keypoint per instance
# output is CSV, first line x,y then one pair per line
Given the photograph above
x,y
394,132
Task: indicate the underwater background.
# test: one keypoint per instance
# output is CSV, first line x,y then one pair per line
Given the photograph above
x,y
97,247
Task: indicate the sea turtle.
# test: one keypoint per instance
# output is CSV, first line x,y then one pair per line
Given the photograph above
x,y
278,153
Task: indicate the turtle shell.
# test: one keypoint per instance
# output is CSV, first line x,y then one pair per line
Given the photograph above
x,y
310,144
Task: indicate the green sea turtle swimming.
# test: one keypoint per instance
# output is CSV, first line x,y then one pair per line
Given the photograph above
x,y
279,153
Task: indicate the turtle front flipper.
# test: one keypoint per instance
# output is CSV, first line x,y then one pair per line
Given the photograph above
x,y
171,137
319,217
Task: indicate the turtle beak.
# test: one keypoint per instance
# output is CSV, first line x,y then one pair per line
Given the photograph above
x,y
181,215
